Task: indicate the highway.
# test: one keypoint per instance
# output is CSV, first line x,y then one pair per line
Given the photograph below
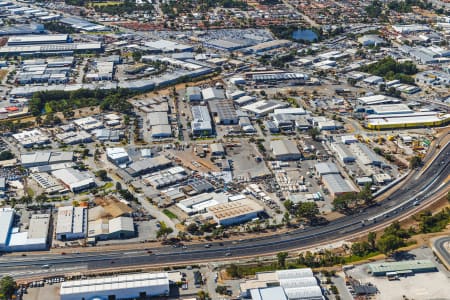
x,y
412,192
443,253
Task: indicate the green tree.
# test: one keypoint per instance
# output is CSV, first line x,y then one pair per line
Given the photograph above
x,y
118,186
281,257
314,133
415,162
288,204
137,55
202,295
102,174
389,243
163,231
5,155
7,287
233,271
307,210
372,238
192,228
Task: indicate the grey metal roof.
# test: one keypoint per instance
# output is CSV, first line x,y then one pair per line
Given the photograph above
x,y
326,168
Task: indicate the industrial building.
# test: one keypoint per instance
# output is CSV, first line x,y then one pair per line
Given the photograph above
x,y
39,39
277,77
128,286
377,100
74,180
193,94
342,153
88,123
412,120
223,112
30,138
406,267
199,203
167,46
336,185
365,155
266,46
42,158
389,109
201,123
115,228
263,107
325,168
117,156
71,223
235,212
161,131
213,93
285,150
148,165
6,222
13,239
283,285
35,239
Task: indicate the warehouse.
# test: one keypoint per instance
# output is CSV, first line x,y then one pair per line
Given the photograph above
x,y
264,107
51,49
377,100
29,138
161,131
6,223
223,112
201,123
42,158
140,285
113,229
212,93
407,267
193,94
285,150
235,212
283,285
199,203
266,46
167,46
336,185
75,180
158,118
148,165
413,120
88,123
275,78
117,156
35,239
325,168
389,109
217,149
38,39
342,152
365,155
71,223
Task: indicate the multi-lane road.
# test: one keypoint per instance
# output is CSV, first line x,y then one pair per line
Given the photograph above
x,y
414,191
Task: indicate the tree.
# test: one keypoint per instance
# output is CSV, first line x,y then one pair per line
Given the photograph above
x,y
307,210
202,295
388,243
366,195
415,162
5,155
371,238
233,271
192,228
314,133
163,231
137,55
102,174
281,256
118,186
7,287
288,204
221,289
